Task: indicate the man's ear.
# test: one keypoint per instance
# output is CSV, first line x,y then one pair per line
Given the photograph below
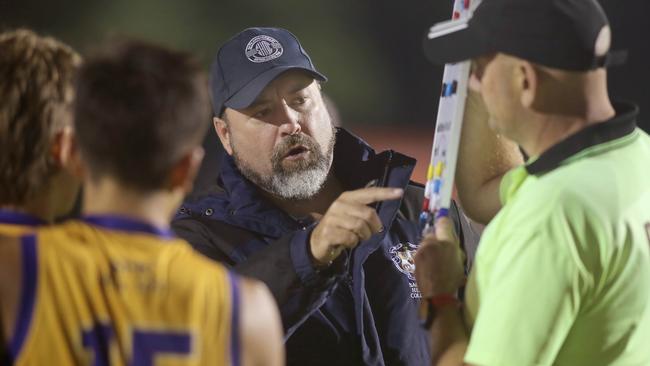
x,y
62,147
221,127
527,82
185,170
65,153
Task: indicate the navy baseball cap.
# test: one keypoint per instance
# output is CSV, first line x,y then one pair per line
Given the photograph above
x,y
249,61
569,35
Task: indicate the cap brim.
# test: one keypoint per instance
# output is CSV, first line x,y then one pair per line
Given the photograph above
x,y
454,41
247,95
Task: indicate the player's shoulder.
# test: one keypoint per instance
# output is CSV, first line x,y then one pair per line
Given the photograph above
x,y
64,238
192,276
70,230
257,303
261,327
186,259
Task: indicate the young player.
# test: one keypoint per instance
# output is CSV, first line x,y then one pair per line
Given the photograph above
x,y
36,89
116,287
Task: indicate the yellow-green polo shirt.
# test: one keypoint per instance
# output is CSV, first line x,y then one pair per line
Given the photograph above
x,y
562,273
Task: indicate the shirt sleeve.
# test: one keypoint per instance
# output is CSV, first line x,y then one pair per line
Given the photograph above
x,y
529,294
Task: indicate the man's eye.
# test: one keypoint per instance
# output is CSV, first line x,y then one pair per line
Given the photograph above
x,y
299,101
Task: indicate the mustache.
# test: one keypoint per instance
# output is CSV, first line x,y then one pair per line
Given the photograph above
x,y
289,142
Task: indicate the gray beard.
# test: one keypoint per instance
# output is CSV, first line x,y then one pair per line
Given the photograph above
x,y
300,182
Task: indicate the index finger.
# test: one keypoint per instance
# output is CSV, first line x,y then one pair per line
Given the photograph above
x,y
367,196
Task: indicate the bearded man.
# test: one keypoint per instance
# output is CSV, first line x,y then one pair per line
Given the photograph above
x,y
311,210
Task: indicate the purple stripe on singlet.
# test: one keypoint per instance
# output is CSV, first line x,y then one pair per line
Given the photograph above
x,y
19,218
28,294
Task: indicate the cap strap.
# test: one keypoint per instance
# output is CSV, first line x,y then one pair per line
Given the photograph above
x,y
612,58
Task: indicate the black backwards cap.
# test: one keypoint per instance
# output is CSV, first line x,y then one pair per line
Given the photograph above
x,y
570,35
249,61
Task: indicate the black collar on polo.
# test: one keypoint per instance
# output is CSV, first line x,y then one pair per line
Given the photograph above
x,y
620,125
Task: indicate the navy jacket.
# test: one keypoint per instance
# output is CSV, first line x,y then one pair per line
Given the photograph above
x,y
363,309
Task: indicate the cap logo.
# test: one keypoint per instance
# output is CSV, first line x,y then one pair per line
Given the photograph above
x,y
263,48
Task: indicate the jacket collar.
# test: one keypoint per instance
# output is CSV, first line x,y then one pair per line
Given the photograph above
x,y
622,124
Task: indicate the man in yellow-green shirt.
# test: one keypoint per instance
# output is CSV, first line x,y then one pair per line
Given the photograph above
x,y
562,275
562,272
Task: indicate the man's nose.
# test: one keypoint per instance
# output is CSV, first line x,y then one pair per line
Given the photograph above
x,y
290,121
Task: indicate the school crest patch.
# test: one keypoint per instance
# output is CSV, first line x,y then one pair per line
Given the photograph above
x,y
403,256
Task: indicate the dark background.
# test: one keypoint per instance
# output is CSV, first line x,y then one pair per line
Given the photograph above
x,y
369,49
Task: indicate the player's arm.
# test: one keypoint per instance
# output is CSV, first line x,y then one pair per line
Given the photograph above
x,y
483,158
10,288
261,329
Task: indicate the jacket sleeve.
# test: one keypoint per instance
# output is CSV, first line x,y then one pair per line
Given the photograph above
x,y
283,265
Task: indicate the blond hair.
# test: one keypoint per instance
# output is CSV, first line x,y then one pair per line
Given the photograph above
x,y
36,94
